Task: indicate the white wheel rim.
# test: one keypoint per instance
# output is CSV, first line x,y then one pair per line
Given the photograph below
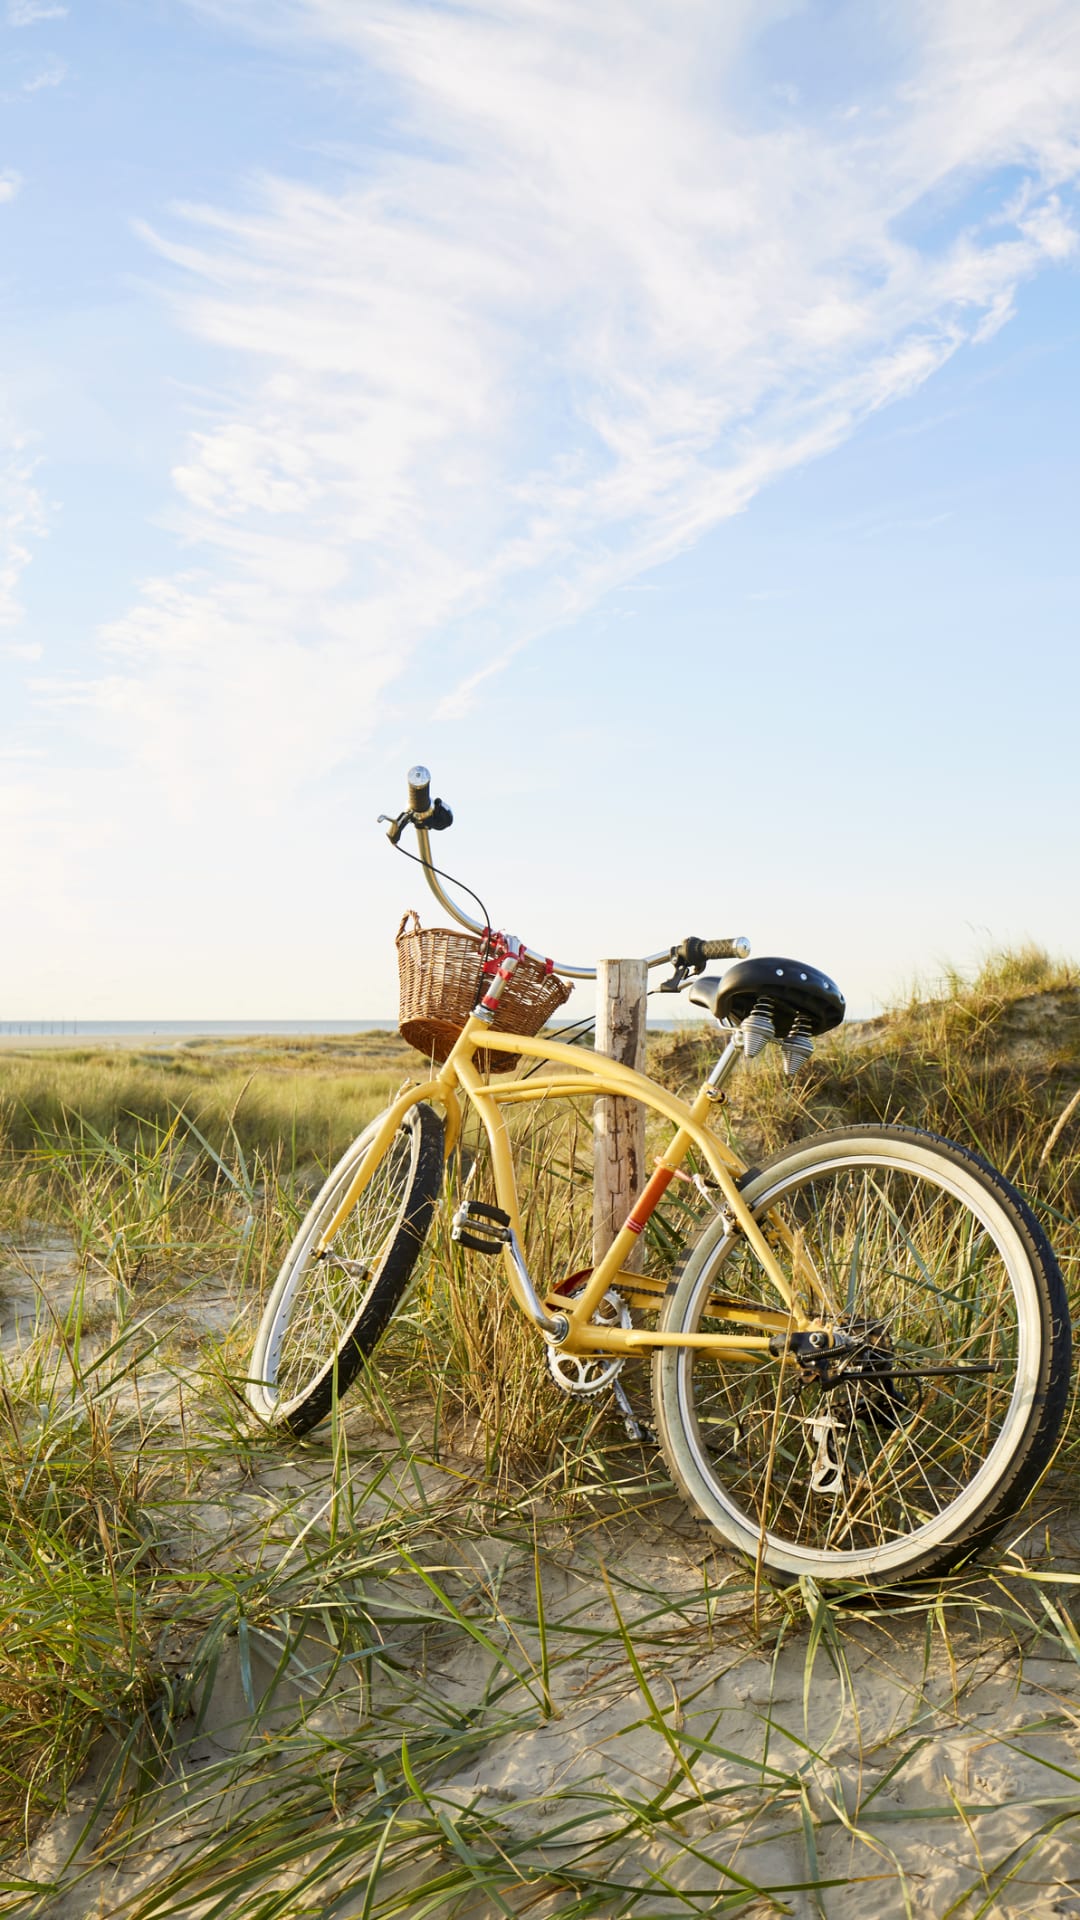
x,y
337,1297
951,1521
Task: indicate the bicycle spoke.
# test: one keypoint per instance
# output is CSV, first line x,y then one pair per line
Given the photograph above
x,y
330,1291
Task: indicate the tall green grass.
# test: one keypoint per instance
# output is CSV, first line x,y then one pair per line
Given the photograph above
x,y
80,1562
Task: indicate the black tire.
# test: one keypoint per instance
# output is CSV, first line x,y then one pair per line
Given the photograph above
x,y
327,1313
934,1260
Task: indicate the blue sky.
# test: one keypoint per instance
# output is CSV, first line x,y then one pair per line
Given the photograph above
x,y
662,420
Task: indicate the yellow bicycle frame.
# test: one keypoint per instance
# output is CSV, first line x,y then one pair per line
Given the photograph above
x,y
596,1074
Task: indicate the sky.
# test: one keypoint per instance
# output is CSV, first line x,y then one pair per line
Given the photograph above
x,y
661,420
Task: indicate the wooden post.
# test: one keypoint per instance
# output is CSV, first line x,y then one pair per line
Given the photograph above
x,y
619,1125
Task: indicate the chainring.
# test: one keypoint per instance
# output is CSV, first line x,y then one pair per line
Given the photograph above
x,y
585,1374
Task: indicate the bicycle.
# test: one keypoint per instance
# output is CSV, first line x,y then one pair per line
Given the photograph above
x,y
861,1367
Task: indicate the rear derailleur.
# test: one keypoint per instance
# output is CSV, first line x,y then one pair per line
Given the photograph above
x,y
859,1358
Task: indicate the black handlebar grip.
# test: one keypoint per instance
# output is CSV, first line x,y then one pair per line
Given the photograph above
x,y
419,789
735,949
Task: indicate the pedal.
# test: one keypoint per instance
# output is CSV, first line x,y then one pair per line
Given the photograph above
x,y
481,1228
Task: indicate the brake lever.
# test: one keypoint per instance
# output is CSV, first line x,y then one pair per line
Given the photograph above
x,y
395,827
437,817
686,960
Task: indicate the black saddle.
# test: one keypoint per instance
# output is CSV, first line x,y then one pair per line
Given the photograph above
x,y
790,987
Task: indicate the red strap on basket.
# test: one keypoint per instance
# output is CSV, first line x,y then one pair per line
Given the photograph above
x,y
499,945
504,958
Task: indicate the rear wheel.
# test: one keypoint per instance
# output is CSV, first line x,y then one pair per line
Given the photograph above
x,y
328,1310
902,1437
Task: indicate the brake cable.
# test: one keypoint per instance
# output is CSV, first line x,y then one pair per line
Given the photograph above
x,y
429,866
582,1026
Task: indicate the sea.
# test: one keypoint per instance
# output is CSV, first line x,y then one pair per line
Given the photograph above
x,y
208,1029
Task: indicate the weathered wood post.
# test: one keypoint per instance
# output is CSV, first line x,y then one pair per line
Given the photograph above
x,y
618,1125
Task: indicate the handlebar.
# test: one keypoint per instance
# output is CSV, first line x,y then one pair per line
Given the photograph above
x,y
419,789
428,816
695,952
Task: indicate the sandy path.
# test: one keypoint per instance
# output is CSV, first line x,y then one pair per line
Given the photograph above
x,y
909,1768
899,1745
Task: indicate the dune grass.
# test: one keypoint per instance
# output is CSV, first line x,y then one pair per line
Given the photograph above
x,y
302,1098
992,1062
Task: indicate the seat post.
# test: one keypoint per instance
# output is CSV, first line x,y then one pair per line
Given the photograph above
x,y
715,1083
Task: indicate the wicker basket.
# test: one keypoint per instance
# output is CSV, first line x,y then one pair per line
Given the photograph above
x,y
441,975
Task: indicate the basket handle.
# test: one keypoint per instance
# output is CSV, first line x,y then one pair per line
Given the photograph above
x,y
405,918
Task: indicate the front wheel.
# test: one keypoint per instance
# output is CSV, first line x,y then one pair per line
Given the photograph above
x,y
328,1310
900,1437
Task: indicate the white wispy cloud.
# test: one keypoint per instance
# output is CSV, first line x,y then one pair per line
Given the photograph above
x,y
602,288
53,75
28,13
10,182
